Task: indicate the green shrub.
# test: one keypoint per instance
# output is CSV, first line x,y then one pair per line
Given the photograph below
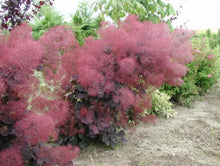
x,y
184,94
203,67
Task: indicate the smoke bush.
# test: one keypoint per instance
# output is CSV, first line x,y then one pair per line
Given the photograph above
x,y
23,129
108,76
11,156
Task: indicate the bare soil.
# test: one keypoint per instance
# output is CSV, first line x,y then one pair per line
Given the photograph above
x,y
192,138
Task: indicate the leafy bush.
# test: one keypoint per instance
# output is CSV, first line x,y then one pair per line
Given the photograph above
x,y
201,74
161,105
184,94
23,130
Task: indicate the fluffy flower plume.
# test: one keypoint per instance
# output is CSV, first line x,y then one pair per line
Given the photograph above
x,y
31,127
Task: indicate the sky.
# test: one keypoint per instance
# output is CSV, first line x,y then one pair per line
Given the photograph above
x,y
194,14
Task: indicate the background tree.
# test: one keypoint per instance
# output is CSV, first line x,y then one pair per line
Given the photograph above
x,y
46,18
84,23
153,10
14,12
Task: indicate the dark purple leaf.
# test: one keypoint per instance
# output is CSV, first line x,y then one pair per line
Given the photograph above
x,y
80,95
105,139
94,129
105,124
123,140
91,107
121,133
86,120
107,50
80,88
78,106
111,129
100,94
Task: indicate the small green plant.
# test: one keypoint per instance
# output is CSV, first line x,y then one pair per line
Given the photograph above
x,y
161,105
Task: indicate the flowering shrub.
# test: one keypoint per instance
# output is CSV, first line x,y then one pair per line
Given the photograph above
x,y
108,77
22,130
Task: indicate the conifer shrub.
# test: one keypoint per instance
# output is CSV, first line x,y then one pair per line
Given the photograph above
x,y
22,131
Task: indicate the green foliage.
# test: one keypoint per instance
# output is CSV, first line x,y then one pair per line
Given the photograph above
x,y
184,94
83,23
44,20
202,74
208,33
213,39
219,37
153,10
161,105
216,51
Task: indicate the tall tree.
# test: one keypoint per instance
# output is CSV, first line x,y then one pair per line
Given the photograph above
x,y
14,12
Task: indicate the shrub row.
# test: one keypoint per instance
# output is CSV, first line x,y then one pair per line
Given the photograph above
x,y
81,94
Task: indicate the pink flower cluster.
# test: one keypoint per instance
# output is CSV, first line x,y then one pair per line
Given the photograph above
x,y
210,56
209,75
